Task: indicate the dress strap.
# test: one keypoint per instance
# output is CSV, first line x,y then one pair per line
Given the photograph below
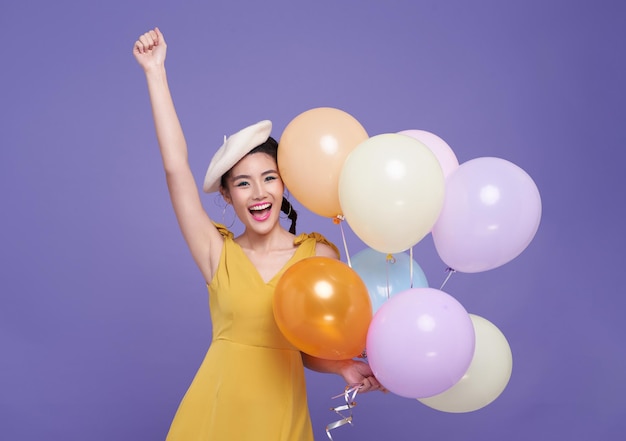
x,y
318,238
225,232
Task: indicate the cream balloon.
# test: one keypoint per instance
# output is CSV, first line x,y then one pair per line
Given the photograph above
x,y
391,191
487,376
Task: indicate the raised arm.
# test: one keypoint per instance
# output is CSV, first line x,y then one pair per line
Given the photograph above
x,y
203,239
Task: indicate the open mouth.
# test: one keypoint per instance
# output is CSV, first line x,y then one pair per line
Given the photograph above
x,y
260,211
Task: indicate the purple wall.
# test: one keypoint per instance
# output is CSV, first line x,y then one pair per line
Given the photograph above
x,y
103,315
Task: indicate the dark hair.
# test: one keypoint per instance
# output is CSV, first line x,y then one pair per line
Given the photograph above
x,y
270,147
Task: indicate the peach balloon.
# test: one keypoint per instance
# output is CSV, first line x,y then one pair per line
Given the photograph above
x,y
311,153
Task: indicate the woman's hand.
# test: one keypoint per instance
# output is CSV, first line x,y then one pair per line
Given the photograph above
x,y
149,50
356,372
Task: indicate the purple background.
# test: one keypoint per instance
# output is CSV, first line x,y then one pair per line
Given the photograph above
x,y
103,315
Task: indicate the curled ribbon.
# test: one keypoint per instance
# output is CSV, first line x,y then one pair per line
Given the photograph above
x,y
348,394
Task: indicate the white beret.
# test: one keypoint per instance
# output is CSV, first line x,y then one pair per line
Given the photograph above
x,y
235,147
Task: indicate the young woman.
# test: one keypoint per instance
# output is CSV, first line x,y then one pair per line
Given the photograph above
x,y
251,385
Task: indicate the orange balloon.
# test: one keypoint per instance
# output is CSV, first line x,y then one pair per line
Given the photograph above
x,y
311,153
322,307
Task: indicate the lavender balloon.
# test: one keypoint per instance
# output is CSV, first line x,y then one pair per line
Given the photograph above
x,y
420,343
444,153
491,213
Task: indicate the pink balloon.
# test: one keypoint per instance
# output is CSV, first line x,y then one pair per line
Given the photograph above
x,y
491,213
444,153
420,342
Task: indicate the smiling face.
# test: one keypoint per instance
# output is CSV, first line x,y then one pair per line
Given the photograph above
x,y
254,188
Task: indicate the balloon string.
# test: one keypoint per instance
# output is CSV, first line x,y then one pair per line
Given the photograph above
x,y
390,260
411,265
338,220
388,294
450,271
387,262
349,395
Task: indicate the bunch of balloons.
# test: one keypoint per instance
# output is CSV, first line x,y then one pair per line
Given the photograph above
x,y
393,189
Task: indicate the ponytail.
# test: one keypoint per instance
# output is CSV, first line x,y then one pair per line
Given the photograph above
x,y
287,208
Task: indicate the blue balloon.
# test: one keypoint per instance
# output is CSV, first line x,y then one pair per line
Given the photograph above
x,y
384,278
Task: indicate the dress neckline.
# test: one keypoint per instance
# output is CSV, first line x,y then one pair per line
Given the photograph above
x,y
278,273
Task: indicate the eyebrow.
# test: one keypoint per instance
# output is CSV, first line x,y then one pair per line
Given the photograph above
x,y
267,172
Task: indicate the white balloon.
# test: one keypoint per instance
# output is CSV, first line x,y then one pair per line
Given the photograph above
x,y
487,376
391,191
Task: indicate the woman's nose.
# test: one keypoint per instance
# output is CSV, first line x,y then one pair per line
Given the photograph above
x,y
259,191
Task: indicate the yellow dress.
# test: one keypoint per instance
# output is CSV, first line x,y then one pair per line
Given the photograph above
x,y
251,384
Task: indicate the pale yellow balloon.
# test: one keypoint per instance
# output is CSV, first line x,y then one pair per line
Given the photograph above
x,y
391,191
487,376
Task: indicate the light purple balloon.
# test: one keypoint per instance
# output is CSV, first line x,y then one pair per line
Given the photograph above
x,y
444,153
420,343
491,213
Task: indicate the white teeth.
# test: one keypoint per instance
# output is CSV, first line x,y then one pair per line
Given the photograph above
x,y
260,207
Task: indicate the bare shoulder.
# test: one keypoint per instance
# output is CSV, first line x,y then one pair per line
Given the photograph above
x,y
325,250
